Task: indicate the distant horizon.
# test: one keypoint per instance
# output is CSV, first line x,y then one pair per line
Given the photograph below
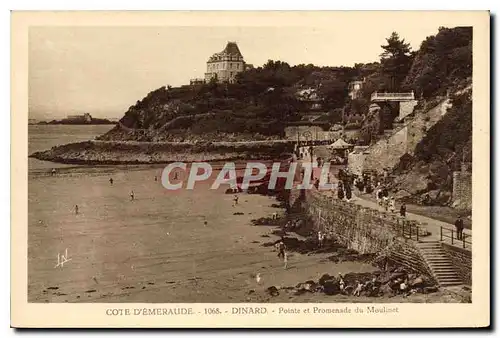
x,y
101,70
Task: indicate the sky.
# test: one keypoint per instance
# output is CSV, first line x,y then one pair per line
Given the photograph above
x,y
105,70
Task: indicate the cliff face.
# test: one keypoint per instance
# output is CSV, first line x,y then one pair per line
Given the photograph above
x,y
386,153
440,152
423,153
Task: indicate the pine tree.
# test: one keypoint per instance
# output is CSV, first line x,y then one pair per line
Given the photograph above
x,y
396,59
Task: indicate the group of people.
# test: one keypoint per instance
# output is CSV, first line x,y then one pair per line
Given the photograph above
x,y
388,203
304,152
344,190
372,287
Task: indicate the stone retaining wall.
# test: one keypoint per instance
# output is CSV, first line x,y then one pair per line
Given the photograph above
x,y
363,229
461,260
462,190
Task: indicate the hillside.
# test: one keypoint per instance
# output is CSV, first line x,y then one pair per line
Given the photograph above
x,y
257,107
263,100
442,68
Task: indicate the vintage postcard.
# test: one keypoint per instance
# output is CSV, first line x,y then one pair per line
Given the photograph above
x,y
250,169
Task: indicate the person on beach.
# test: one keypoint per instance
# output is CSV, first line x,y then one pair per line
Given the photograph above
x,y
111,181
132,195
76,209
280,246
459,225
341,282
156,178
359,288
235,200
403,287
402,210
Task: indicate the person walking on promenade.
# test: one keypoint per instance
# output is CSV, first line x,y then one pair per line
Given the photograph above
x,y
385,202
76,209
402,210
380,197
340,192
53,171
459,225
111,181
392,205
132,195
285,259
235,200
348,191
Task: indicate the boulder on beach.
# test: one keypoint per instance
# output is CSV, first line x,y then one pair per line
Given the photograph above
x,y
324,278
273,291
419,281
331,287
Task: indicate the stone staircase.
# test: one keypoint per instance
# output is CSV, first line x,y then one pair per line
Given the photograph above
x,y
439,263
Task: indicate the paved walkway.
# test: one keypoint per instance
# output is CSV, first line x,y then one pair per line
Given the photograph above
x,y
431,224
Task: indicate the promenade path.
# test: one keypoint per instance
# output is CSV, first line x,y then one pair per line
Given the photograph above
x,y
431,224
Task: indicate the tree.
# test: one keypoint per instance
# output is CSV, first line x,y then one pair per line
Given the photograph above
x,y
442,61
334,93
396,59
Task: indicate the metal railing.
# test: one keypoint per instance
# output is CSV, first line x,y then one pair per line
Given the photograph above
x,y
410,230
448,235
393,96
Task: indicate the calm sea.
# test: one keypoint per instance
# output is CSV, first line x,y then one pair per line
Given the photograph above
x,y
44,137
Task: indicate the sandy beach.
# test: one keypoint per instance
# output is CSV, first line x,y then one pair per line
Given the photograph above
x,y
158,248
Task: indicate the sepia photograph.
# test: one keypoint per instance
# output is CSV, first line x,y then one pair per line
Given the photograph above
x,y
254,164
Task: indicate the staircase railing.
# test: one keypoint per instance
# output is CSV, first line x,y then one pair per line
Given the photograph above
x,y
410,230
448,235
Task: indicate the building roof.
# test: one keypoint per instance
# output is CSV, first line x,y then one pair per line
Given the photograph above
x,y
232,48
339,144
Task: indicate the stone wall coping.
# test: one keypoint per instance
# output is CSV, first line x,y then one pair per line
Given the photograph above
x,y
466,251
